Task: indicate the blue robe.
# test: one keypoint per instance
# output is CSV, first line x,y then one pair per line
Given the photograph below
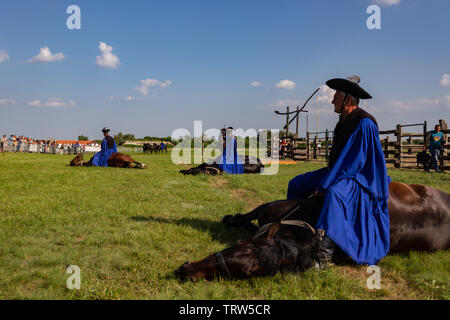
x,y
355,210
230,161
100,159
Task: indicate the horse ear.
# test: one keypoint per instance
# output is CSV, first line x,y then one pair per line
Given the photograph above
x,y
273,229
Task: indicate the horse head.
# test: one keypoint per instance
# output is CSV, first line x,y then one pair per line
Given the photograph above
x,y
77,161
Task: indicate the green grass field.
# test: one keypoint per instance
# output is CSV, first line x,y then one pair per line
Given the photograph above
x,y
128,230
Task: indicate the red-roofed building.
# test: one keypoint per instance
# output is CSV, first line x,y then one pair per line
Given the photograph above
x,y
75,141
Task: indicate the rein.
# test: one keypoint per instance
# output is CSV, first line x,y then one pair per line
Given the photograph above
x,y
299,223
222,264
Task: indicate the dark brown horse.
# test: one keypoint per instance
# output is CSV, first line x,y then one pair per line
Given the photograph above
x,y
117,160
419,220
251,165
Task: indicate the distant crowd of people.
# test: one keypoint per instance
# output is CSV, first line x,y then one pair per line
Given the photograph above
x,y
24,144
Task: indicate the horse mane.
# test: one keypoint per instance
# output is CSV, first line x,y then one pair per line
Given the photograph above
x,y
293,249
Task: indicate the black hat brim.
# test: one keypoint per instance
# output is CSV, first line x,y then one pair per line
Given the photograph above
x,y
349,87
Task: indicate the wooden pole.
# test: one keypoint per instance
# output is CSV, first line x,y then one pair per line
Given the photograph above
x,y
386,147
315,146
326,145
399,146
308,146
442,162
287,121
296,125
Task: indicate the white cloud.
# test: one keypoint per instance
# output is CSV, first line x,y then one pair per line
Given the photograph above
x,y
447,100
326,94
3,56
286,84
255,84
52,103
143,88
436,105
445,81
4,101
129,98
292,103
45,55
107,59
387,3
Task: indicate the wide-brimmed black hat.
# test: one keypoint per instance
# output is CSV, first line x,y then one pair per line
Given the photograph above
x,y
105,129
350,86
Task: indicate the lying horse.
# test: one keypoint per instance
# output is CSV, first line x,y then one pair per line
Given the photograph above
x,y
287,242
117,160
254,166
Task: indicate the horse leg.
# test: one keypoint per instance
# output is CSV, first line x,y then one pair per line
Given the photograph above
x,y
265,213
245,220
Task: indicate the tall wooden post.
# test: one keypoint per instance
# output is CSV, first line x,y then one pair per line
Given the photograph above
x,y
287,121
386,147
399,146
296,124
410,143
308,147
316,140
425,134
442,162
326,145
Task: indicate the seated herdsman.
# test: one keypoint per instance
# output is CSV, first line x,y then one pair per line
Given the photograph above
x,y
230,161
109,147
355,185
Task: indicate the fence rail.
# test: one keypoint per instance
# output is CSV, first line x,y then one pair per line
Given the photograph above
x,y
400,148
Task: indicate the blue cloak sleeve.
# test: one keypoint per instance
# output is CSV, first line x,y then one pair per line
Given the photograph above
x,y
100,159
355,212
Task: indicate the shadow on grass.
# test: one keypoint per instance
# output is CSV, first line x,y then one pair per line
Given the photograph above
x,y
218,231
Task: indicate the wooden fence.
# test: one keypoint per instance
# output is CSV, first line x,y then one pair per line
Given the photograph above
x,y
400,147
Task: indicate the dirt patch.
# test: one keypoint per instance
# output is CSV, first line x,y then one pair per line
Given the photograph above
x,y
249,197
393,286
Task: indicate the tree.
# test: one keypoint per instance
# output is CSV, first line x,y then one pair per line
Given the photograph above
x,y
82,138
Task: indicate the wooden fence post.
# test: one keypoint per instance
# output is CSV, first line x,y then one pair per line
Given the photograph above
x,y
308,147
399,146
315,146
287,121
326,145
386,147
443,162
410,143
424,133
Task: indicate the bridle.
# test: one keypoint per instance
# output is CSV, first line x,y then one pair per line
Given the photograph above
x,y
222,264
262,230
299,223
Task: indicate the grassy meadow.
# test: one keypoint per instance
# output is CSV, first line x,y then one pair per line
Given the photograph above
x,y
128,230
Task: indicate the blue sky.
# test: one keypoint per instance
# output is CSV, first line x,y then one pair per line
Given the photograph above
x,y
199,58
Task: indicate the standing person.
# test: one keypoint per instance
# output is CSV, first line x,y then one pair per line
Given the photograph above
x,y
4,144
435,142
355,185
230,161
109,147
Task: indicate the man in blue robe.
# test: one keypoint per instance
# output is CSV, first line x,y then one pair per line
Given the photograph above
x,y
109,147
230,161
355,185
